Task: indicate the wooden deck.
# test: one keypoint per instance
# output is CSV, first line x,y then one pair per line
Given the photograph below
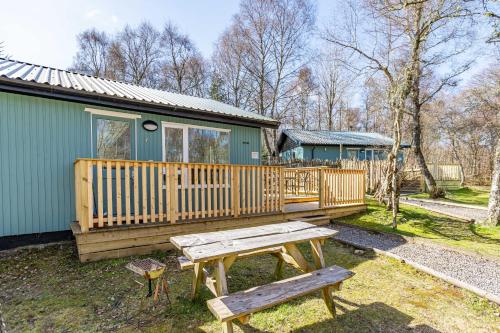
x,y
126,240
133,207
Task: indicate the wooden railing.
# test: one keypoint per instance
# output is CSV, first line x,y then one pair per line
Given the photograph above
x,y
341,187
375,171
301,181
116,192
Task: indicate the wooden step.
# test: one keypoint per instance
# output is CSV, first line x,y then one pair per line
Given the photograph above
x,y
242,303
316,220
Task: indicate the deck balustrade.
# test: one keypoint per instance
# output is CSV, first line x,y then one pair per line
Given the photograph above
x,y
127,192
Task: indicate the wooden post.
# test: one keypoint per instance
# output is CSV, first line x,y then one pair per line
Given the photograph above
x,y
173,193
282,189
235,184
88,207
118,177
363,187
84,196
77,169
297,182
321,188
100,209
109,192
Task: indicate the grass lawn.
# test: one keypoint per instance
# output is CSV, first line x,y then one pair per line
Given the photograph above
x,y
465,195
49,290
418,222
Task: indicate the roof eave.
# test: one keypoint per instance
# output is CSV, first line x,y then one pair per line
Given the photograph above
x,y
68,94
350,145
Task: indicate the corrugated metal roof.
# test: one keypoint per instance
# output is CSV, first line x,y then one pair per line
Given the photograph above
x,y
306,137
16,71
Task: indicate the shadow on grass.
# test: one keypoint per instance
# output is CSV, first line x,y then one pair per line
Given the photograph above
x,y
351,317
367,318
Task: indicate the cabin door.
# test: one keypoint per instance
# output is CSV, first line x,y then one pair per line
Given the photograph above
x,y
113,138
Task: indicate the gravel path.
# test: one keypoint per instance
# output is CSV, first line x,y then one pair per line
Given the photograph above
x,y
475,270
468,213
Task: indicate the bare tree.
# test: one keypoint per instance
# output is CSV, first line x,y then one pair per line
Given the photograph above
x,y
274,34
446,41
303,103
136,53
183,68
92,56
395,41
451,123
494,202
227,62
333,81
492,13
376,113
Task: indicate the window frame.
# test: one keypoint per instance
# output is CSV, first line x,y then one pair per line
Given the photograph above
x,y
185,139
357,150
133,133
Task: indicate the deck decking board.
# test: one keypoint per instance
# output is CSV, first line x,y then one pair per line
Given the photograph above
x,y
133,239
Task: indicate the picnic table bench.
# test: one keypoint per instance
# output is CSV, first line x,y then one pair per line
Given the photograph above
x,y
220,249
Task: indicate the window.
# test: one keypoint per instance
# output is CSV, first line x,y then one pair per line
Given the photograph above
x,y
113,139
208,146
187,143
352,154
174,145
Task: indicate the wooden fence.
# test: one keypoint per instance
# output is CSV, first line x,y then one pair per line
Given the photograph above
x,y
341,187
445,171
331,186
115,192
301,181
374,171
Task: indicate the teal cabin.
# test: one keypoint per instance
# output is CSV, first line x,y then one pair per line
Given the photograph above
x,y
50,118
306,145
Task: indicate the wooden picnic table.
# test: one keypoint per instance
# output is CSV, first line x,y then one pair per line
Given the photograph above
x,y
220,249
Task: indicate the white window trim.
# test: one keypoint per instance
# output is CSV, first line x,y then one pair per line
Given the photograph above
x,y
113,113
185,139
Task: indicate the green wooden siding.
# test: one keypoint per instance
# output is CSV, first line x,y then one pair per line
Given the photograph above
x,y
39,140
331,153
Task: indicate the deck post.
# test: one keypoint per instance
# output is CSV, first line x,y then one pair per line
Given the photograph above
x,y
78,199
364,189
235,190
84,194
282,189
321,187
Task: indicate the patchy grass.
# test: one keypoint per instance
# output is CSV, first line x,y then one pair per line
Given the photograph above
x,y
418,222
465,195
50,291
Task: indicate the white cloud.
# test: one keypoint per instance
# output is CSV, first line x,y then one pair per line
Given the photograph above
x,y
114,19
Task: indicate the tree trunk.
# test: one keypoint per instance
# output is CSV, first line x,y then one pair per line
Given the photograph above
x,y
494,203
457,157
417,151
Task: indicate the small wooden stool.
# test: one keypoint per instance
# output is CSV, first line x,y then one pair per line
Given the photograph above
x,y
151,270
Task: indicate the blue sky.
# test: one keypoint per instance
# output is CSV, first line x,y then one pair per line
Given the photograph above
x,y
43,32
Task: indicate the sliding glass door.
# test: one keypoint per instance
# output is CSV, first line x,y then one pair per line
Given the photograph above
x,y
195,144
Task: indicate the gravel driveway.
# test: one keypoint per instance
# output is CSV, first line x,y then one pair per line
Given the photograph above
x,y
467,213
475,270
